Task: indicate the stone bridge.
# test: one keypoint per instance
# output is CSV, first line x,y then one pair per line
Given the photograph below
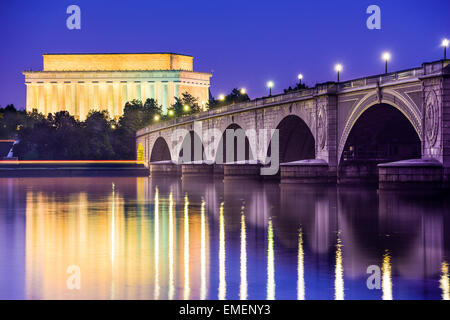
x,y
348,131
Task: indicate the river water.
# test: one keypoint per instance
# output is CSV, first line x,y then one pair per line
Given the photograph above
x,y
142,238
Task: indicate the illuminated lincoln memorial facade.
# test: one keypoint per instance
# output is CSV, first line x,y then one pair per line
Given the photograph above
x,y
79,83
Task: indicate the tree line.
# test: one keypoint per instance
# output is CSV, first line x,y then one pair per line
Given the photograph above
x,y
61,136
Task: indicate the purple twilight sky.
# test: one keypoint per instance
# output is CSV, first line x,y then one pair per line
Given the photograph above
x,y
244,43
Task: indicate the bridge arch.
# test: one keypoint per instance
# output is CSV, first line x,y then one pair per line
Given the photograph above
x,y
221,149
381,133
193,146
389,97
160,150
296,140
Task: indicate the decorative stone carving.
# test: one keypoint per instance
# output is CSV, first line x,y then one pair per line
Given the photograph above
x,y
431,118
379,93
321,127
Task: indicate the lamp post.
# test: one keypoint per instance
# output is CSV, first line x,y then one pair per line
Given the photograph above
x,y
221,97
243,91
300,77
445,43
270,86
386,57
338,69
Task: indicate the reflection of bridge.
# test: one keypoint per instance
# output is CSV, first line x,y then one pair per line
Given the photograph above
x,y
350,126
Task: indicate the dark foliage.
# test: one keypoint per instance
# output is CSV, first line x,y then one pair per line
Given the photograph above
x,y
235,96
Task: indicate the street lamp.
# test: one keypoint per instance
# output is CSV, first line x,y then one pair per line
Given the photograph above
x,y
338,69
186,107
386,57
156,117
243,91
270,86
445,43
171,113
300,77
221,97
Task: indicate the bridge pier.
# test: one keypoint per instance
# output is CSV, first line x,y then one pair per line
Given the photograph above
x,y
218,170
413,173
314,171
242,170
164,168
196,168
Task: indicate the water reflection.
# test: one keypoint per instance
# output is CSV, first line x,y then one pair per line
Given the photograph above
x,y
270,263
170,239
386,277
339,272
444,281
187,289
300,268
171,248
222,281
203,289
244,286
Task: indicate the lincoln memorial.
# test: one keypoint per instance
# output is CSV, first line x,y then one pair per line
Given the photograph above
x,y
79,83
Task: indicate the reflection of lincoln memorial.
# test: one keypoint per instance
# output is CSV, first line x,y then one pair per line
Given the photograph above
x,y
81,82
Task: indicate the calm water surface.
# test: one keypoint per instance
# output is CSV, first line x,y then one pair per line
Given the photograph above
x,y
141,238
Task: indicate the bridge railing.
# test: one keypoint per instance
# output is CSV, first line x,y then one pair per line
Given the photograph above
x,y
322,88
427,68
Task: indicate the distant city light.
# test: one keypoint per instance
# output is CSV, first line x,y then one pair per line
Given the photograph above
x,y
221,97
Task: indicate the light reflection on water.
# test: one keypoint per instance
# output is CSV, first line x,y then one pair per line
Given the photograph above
x,y
137,238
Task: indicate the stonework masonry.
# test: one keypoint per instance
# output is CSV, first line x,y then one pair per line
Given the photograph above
x,y
330,111
79,83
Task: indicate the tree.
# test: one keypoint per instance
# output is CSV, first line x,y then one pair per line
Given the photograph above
x,y
235,96
186,105
297,87
98,132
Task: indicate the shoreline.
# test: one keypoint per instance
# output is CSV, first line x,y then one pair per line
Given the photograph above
x,y
72,169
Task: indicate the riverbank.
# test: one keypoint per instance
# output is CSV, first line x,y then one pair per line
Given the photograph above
x,y
80,168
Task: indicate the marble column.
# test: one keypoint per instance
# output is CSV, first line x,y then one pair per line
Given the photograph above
x,y
124,93
81,106
54,97
164,98
61,97
152,89
110,98
48,97
29,96
138,90
116,98
41,98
